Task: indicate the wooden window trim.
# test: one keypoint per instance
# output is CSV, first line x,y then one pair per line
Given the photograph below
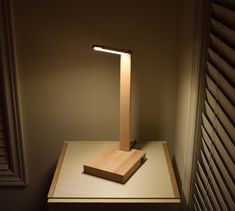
x,y
16,173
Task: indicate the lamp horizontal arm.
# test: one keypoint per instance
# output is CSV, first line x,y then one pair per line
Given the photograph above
x,y
111,50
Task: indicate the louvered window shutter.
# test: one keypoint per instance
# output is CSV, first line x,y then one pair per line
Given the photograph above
x,y
214,187
4,159
12,169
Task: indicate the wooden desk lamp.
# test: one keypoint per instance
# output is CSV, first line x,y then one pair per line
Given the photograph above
x,y
115,162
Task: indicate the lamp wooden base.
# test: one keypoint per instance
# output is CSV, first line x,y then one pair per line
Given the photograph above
x,y
114,164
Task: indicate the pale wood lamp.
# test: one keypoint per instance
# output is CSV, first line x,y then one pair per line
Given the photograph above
x,y
118,162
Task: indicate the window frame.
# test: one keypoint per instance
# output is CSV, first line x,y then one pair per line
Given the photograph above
x,y
16,175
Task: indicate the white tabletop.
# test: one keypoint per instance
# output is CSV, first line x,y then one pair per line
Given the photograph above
x,y
154,181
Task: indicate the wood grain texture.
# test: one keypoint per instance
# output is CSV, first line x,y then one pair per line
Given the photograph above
x,y
125,101
114,164
57,171
171,171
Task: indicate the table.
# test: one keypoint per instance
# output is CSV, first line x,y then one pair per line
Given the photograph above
x,y
153,186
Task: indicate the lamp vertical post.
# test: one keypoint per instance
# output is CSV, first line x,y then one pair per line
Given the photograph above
x,y
125,102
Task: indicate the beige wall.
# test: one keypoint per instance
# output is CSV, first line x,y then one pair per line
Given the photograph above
x,y
183,84
186,97
69,92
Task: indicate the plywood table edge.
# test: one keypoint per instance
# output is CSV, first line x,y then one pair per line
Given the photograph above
x,y
92,142
114,200
114,141
57,171
171,171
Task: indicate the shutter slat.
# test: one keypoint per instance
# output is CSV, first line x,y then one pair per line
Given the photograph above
x,y
220,131
208,186
228,125
3,160
4,167
221,98
216,161
1,125
226,3
200,197
214,138
224,15
221,82
2,143
221,184
222,65
204,192
3,152
223,32
2,135
197,203
223,50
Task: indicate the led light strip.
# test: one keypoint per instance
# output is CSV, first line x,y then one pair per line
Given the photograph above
x,y
111,50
